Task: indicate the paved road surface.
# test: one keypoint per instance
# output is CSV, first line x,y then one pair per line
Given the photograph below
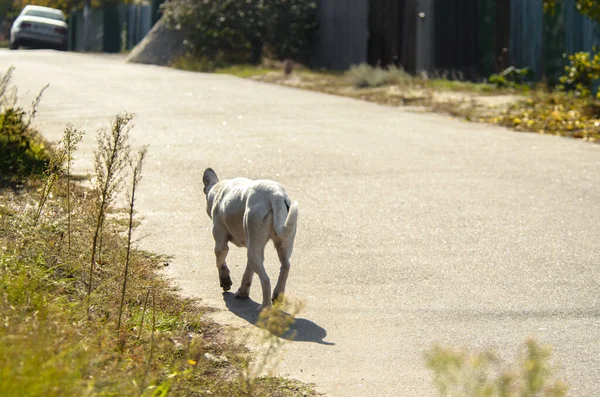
x,y
414,228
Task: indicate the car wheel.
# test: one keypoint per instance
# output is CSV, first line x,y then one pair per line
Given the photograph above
x,y
14,45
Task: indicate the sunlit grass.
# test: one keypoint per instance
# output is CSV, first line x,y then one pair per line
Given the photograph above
x,y
206,66
244,70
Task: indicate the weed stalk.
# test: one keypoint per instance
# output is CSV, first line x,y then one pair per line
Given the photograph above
x,y
136,178
143,314
34,106
71,139
109,160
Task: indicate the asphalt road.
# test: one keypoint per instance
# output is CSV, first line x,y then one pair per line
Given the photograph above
x,y
413,229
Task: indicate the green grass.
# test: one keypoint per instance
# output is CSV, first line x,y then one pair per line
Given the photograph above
x,y
245,71
457,85
206,66
366,76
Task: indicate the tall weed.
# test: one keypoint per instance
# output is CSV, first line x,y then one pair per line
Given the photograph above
x,y
467,373
110,158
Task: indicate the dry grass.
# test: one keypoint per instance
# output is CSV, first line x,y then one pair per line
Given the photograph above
x,y
82,312
460,372
61,335
50,344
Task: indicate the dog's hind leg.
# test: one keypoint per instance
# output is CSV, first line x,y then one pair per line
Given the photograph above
x,y
284,251
221,250
256,258
244,291
257,237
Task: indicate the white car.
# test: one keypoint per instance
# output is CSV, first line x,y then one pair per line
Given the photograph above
x,y
38,26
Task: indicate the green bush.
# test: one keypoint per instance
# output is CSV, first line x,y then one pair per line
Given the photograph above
x,y
293,28
511,77
582,70
22,152
365,76
237,31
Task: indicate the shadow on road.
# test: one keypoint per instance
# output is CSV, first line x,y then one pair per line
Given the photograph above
x,y
302,330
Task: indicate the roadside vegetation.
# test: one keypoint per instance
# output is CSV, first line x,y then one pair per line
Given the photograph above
x,y
83,311
459,372
22,151
221,33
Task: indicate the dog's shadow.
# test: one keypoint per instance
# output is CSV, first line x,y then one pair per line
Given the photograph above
x,y
302,330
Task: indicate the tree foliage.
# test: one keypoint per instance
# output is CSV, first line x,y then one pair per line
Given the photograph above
x,y
589,8
234,31
583,69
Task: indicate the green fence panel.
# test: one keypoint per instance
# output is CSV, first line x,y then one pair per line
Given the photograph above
x,y
112,30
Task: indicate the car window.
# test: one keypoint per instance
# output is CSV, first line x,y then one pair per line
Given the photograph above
x,y
44,14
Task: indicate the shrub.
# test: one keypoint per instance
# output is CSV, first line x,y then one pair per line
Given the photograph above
x,y
236,31
582,70
397,75
293,28
22,151
363,76
511,77
557,113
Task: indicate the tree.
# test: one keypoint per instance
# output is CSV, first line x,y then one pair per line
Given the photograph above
x,y
589,8
233,31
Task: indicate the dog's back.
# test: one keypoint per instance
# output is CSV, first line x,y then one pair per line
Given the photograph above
x,y
239,201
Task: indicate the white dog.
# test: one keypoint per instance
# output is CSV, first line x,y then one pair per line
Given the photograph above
x,y
249,214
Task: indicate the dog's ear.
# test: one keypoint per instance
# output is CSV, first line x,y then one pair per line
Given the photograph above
x,y
209,179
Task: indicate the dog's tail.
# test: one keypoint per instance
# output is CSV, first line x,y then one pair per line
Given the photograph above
x,y
285,216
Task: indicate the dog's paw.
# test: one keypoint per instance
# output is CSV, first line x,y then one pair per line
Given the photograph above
x,y
226,283
241,295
